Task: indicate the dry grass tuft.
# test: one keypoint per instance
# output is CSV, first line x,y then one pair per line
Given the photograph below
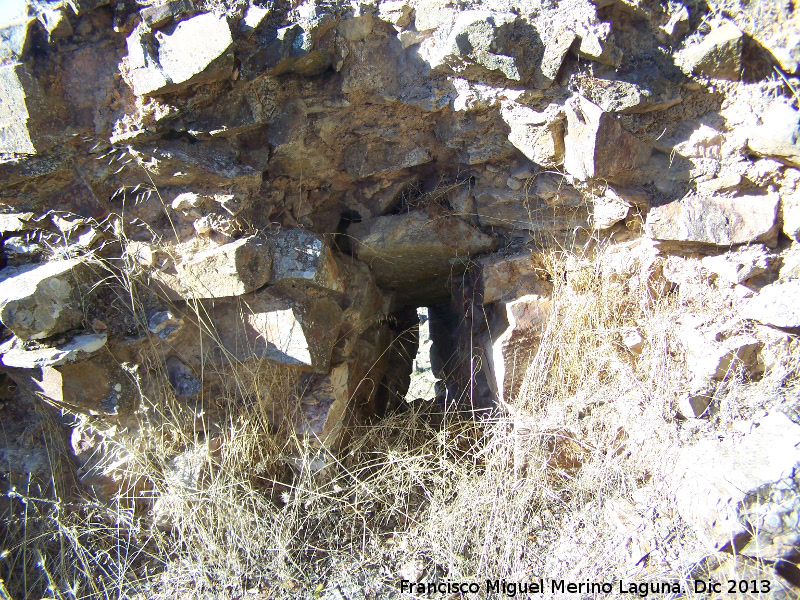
x,y
573,484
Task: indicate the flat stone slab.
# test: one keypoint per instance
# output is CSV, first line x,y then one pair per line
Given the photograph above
x,y
716,220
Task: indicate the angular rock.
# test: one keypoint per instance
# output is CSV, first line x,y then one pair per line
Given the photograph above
x,y
597,43
302,256
714,360
157,15
741,493
78,348
408,252
641,92
790,208
165,324
396,12
596,146
374,157
777,304
92,387
634,340
512,340
538,136
608,210
294,327
181,378
232,269
739,265
554,53
715,220
519,209
778,136
506,278
475,45
432,14
15,222
195,52
719,55
15,139
37,301
695,405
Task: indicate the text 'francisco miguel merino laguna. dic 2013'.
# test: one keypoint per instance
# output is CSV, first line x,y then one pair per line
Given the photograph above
x,y
512,589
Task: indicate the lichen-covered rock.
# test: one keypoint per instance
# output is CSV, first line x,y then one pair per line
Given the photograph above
x,y
37,301
716,220
302,256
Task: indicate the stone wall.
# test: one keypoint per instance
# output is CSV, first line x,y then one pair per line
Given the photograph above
x,y
190,189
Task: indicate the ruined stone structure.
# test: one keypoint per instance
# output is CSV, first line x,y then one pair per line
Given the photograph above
x,y
189,188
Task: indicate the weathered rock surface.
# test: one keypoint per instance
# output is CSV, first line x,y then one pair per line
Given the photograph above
x,y
777,304
293,327
778,136
718,55
513,339
742,493
714,220
302,256
409,251
231,269
596,146
38,301
506,278
97,386
739,265
195,51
